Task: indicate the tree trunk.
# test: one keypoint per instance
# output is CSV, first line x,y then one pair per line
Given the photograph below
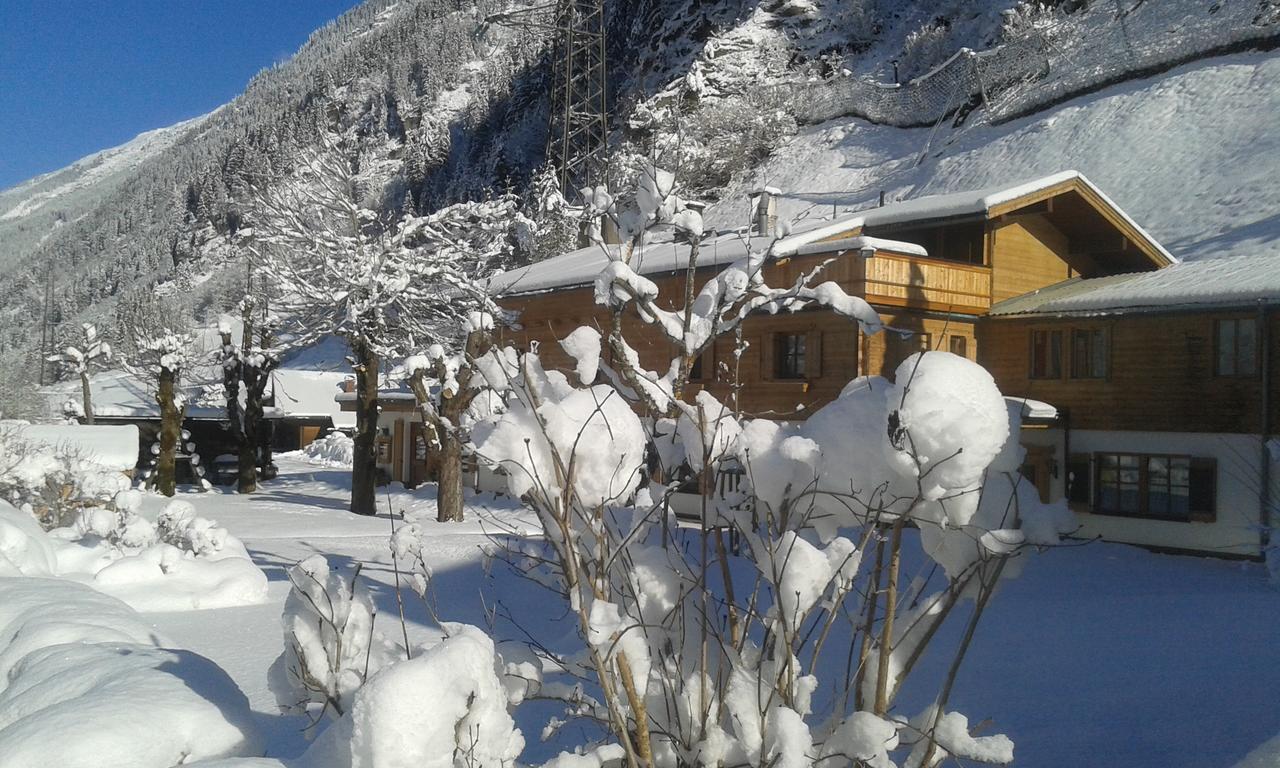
x,y
247,468
364,465
88,398
170,434
449,495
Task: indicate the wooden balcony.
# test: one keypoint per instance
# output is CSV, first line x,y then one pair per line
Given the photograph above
x,y
922,283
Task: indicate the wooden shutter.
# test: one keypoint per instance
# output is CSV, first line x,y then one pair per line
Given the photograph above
x,y
813,355
768,356
1204,489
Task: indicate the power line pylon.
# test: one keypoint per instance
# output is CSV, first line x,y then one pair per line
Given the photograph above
x,y
578,126
578,131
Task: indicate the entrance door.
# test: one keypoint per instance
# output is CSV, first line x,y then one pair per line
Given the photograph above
x,y
1038,468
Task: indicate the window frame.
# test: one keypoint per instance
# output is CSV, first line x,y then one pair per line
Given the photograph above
x,y
957,340
1142,464
1053,354
1234,324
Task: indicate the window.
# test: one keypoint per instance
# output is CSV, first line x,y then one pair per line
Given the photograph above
x,y
1237,347
789,356
696,370
959,345
1159,486
1088,353
1046,354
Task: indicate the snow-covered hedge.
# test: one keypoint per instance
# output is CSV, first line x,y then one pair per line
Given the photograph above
x,y
180,562
85,683
333,450
57,476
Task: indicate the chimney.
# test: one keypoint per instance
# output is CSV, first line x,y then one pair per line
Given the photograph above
x,y
765,211
882,198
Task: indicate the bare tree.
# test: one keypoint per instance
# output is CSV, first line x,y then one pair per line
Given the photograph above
x,y
386,286
93,353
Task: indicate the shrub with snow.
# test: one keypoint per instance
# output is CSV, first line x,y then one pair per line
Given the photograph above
x,y
330,646
333,450
182,562
56,481
83,684
692,653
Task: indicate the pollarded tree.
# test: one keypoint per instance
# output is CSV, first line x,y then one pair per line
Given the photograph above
x,y
93,353
246,373
468,242
388,287
162,358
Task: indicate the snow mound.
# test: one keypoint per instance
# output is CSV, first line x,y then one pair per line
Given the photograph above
x,y
24,548
84,685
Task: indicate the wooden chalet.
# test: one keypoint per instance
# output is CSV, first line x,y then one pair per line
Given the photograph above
x,y
985,275
932,267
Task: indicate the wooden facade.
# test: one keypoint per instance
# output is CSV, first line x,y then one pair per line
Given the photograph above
x,y
928,302
1161,371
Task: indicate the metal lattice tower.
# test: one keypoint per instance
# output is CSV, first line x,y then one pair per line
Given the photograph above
x,y
578,125
578,129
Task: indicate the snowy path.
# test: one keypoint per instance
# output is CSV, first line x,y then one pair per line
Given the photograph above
x,y
1101,652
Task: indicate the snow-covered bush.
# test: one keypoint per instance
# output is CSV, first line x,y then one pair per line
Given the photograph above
x,y
794,647
180,562
925,48
55,481
444,708
330,646
83,684
333,450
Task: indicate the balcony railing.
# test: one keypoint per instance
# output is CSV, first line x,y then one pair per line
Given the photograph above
x,y
911,281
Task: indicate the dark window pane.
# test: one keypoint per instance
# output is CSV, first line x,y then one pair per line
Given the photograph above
x,y
1098,356
1226,348
1246,347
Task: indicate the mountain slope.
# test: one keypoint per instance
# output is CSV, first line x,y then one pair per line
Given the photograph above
x,y
31,211
1193,155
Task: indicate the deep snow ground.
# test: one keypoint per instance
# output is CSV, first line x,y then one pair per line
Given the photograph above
x,y
1098,654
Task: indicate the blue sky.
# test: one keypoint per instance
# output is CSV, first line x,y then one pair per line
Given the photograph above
x,y
83,75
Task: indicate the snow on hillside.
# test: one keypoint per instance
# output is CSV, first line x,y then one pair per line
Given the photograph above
x,y
31,210
1192,155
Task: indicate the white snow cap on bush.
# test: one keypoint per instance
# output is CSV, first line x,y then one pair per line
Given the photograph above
x,y
446,707
25,549
583,345
707,427
952,416
593,431
329,641
333,450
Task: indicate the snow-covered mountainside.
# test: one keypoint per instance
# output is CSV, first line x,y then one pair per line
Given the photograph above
x,y
32,211
1166,105
1192,155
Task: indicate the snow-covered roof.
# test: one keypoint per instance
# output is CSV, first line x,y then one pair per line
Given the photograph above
x,y
580,267
308,394
121,395
1205,283
1032,410
108,446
